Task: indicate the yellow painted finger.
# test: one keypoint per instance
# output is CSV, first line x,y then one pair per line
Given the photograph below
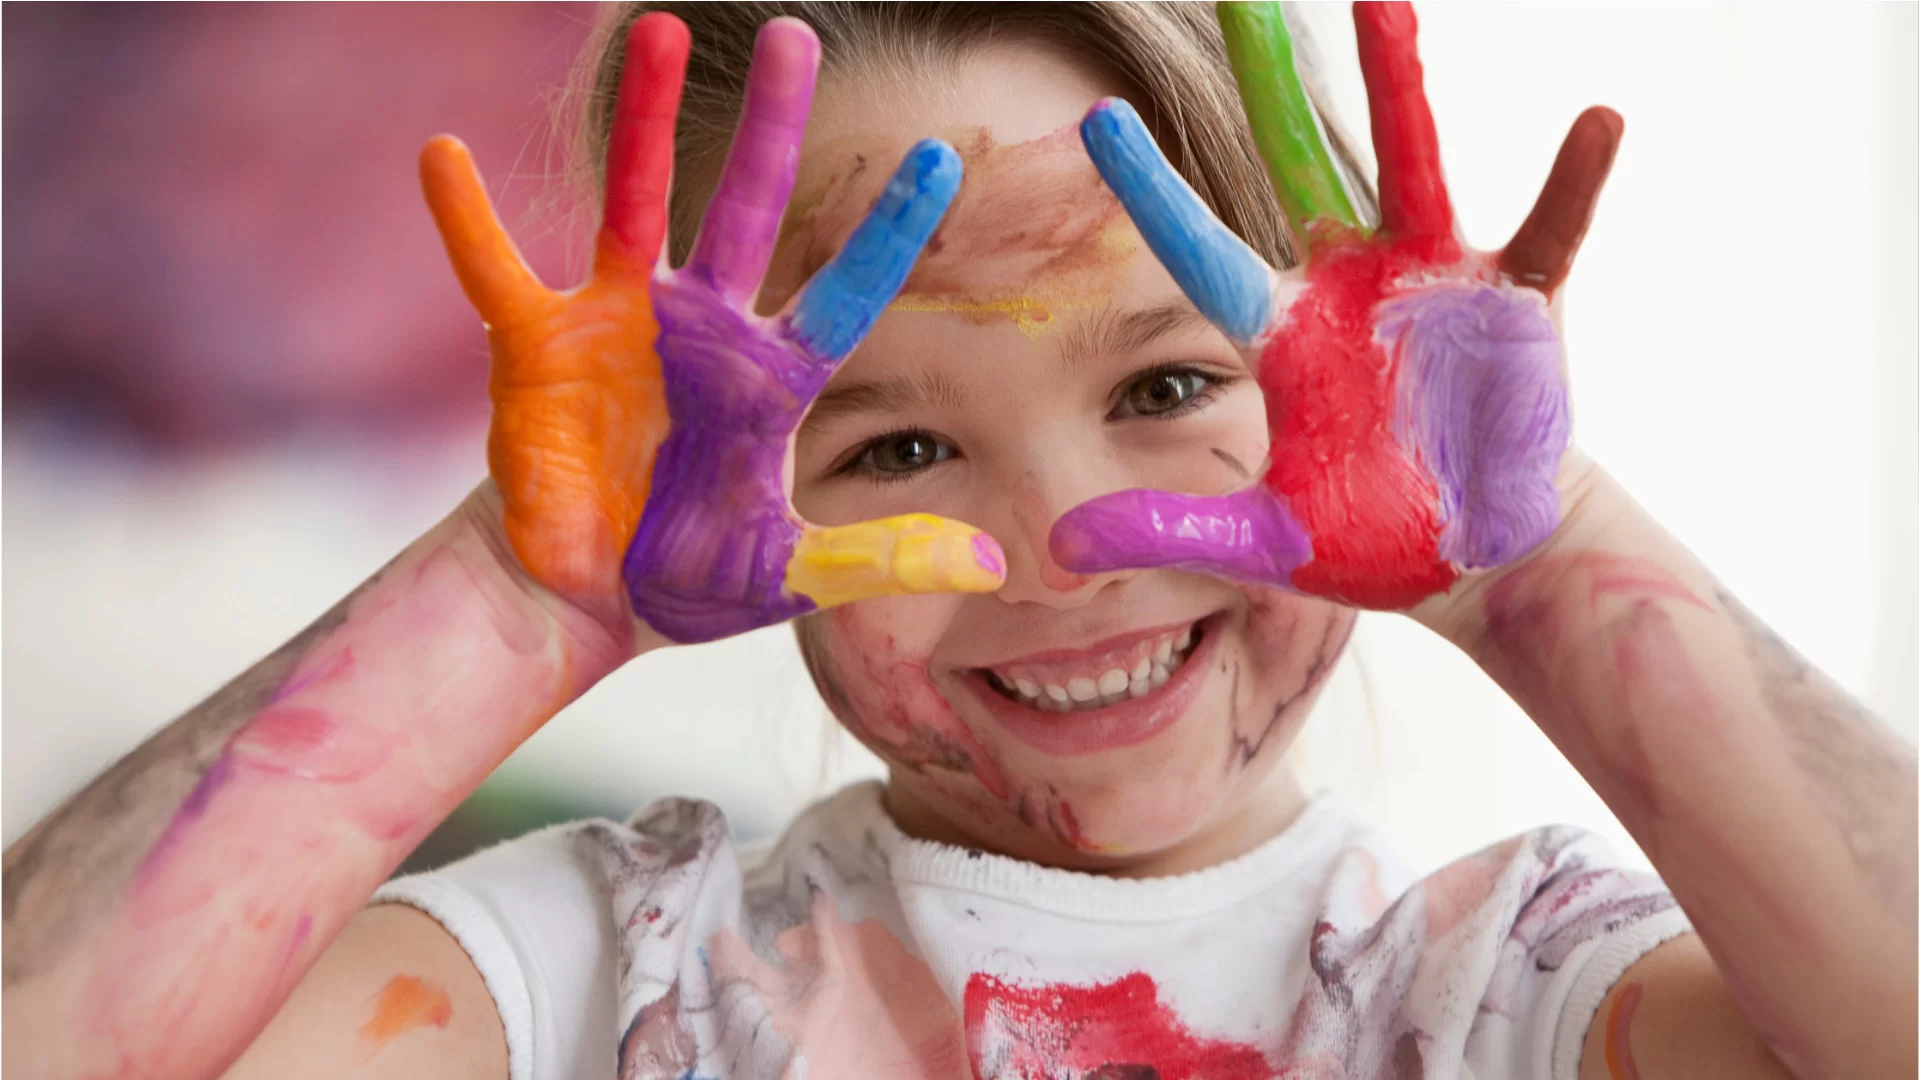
x,y
912,553
491,272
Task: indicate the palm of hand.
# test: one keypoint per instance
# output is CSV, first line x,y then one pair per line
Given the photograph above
x,y
640,459
1414,389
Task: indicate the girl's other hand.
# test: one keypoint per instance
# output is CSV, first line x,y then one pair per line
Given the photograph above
x,y
642,420
1415,388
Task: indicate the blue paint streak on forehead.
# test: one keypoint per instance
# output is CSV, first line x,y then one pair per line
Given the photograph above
x,y
842,301
1223,277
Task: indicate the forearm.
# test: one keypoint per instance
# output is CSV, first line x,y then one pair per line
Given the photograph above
x,y
154,923
1781,814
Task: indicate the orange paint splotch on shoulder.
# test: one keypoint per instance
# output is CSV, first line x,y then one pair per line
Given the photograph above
x,y
404,1003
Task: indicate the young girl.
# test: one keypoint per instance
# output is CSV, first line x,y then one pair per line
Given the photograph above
x,y
1181,473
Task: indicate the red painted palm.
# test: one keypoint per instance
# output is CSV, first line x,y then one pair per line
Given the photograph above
x,y
1415,390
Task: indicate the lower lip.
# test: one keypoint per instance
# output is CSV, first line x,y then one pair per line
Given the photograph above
x,y
1132,721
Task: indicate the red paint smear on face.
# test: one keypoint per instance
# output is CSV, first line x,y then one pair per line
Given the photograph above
x,y
405,1003
1056,1028
1620,1064
893,705
1372,514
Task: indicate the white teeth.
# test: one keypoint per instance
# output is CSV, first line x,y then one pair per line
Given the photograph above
x,y
1140,687
1113,682
1141,670
1057,693
1185,639
1082,689
1158,679
1165,652
1027,687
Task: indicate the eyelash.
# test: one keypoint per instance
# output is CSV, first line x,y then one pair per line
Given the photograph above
x,y
1211,384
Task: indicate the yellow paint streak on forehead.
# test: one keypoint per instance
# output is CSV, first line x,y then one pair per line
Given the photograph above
x,y
1031,315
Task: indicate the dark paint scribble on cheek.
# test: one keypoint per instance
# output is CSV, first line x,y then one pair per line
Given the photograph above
x,y
1276,627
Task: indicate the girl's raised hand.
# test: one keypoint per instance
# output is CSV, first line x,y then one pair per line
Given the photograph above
x,y
642,421
1415,391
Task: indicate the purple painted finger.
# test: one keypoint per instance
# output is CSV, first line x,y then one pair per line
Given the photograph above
x,y
1482,407
710,556
737,235
1248,535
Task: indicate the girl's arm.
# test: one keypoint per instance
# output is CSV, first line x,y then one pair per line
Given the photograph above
x,y
1418,406
155,922
1780,813
154,925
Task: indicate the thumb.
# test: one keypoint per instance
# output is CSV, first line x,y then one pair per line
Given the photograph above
x,y
1247,536
912,553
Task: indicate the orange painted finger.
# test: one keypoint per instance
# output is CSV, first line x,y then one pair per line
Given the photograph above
x,y
491,272
1541,252
640,151
1413,194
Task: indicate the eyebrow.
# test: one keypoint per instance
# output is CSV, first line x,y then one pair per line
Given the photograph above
x,y
926,390
1112,333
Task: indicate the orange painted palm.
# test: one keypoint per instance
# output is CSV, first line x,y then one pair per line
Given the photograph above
x,y
578,409
591,396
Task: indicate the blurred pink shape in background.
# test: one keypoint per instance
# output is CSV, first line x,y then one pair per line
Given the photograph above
x,y
214,231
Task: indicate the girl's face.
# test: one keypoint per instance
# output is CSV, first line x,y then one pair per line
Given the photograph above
x,y
1038,357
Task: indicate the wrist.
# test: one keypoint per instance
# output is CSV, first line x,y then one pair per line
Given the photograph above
x,y
1593,506
596,643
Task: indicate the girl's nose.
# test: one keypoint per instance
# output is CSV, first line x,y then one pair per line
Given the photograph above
x,y
1022,527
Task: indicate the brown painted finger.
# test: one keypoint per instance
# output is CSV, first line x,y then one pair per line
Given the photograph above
x,y
1541,253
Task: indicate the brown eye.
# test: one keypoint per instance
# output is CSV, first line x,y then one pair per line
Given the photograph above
x,y
1161,392
908,451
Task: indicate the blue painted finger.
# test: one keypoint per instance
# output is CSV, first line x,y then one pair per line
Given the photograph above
x,y
842,301
1231,285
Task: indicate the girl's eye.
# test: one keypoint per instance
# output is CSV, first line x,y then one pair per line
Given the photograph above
x,y
901,454
1162,393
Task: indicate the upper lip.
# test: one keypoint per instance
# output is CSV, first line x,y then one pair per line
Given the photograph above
x,y
1087,654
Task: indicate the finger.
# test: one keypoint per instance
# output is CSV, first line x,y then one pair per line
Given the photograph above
x,y
840,304
1541,253
1284,127
1413,194
491,272
1232,286
913,553
640,151
736,238
1247,536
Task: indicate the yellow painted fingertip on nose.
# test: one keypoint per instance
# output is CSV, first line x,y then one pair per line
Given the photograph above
x,y
912,553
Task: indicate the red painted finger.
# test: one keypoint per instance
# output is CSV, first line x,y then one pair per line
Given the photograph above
x,y
736,238
1413,194
640,151
1541,252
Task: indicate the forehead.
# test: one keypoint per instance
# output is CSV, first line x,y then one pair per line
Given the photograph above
x,y
1031,219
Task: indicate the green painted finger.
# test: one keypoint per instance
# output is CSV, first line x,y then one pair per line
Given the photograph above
x,y
1290,139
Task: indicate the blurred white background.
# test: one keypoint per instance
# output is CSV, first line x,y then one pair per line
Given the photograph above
x,y
1742,334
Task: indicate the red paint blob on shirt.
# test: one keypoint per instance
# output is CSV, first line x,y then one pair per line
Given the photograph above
x,y
1056,1028
405,1003
1372,513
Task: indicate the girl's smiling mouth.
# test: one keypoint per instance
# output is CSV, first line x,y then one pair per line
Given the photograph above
x,y
1119,692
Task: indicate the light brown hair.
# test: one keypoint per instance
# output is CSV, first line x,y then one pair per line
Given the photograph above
x,y
1168,56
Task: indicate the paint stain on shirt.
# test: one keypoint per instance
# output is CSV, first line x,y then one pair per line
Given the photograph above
x,y
403,1004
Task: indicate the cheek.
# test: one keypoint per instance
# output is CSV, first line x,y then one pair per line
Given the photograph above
x,y
884,692
1293,643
